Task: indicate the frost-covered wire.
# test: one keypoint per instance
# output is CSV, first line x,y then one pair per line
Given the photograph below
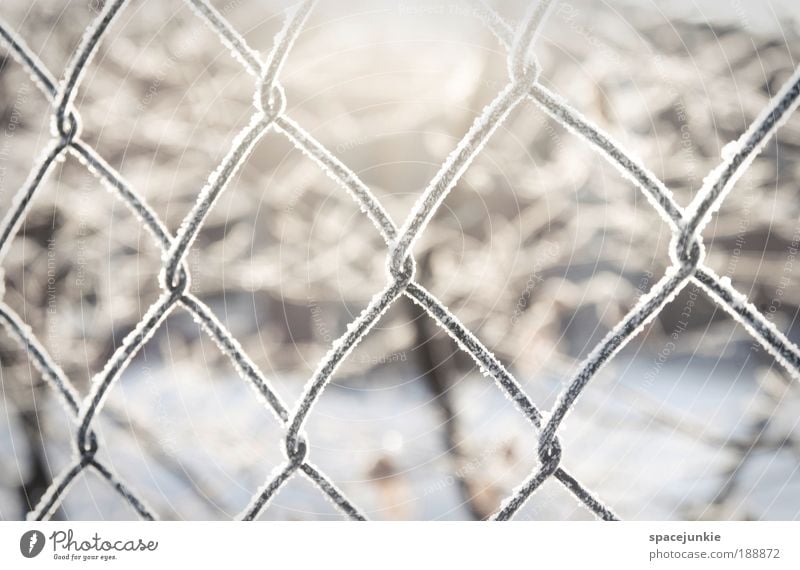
x,y
268,110
402,271
270,102
686,250
55,376
77,66
229,36
341,174
662,198
524,75
87,445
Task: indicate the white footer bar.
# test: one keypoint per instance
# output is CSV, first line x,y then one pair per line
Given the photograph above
x,y
288,545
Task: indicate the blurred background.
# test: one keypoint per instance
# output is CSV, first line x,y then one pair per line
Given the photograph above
x,y
540,249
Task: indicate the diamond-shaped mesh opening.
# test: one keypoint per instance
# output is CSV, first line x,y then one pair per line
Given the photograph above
x,y
668,413
80,246
155,408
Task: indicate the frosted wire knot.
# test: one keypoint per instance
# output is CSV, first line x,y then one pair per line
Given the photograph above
x,y
270,99
525,75
550,454
174,278
296,448
67,126
523,67
87,443
686,248
401,269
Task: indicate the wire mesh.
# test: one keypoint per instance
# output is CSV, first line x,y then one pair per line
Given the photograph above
x,y
686,251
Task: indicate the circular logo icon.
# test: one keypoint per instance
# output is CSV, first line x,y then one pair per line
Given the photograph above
x,y
31,543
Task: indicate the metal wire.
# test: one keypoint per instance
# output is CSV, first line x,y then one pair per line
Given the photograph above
x,y
686,251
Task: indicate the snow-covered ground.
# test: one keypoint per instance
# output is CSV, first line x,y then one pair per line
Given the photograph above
x,y
380,439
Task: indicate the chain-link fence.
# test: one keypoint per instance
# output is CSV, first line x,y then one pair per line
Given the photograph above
x,y
271,118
